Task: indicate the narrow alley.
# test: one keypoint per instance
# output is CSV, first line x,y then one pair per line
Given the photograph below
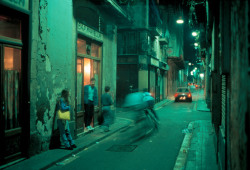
x,y
125,84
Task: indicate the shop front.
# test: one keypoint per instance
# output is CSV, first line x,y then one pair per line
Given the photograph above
x,y
89,61
127,76
14,118
154,74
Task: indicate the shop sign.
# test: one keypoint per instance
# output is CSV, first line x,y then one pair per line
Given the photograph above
x,y
24,4
89,32
154,62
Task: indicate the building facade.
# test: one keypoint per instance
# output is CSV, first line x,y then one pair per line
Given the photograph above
x,y
227,80
45,47
145,50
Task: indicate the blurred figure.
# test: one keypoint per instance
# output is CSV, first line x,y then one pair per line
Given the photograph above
x,y
134,101
150,102
106,109
145,120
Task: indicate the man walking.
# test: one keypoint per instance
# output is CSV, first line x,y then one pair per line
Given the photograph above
x,y
90,100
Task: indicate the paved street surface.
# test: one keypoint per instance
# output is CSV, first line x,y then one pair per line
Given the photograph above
x,y
184,141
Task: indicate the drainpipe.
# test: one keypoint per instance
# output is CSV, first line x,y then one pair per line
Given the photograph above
x,y
147,13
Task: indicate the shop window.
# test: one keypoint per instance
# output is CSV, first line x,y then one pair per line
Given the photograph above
x,y
88,66
95,50
81,46
10,27
12,58
11,74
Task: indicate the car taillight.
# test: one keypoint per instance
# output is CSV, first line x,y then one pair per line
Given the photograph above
x,y
189,94
175,95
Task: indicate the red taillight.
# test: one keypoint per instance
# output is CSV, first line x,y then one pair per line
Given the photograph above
x,y
189,94
175,95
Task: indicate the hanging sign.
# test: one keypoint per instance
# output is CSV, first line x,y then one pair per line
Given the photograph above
x,y
154,62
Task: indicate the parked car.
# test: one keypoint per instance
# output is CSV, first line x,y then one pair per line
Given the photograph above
x,y
183,94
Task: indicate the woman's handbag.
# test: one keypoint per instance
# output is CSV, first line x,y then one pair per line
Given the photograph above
x,y
64,115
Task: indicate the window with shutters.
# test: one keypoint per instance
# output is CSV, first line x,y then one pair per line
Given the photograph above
x,y
132,42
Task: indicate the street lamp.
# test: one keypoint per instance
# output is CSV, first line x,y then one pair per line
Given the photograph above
x,y
194,34
180,21
202,75
196,44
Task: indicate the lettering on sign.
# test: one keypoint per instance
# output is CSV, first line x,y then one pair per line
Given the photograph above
x,y
89,32
24,4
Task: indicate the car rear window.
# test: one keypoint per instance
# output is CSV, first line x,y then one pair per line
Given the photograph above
x,y
182,90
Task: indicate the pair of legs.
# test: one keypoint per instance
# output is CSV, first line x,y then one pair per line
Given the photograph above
x,y
107,117
66,137
89,112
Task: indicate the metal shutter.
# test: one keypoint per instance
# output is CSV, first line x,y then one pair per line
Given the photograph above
x,y
223,101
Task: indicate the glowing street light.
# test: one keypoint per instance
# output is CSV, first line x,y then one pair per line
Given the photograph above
x,y
180,21
202,75
189,64
194,34
196,44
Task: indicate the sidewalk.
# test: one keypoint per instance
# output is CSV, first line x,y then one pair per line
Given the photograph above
x,y
51,157
198,151
201,153
201,102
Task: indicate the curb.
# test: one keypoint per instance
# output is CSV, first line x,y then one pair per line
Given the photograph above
x,y
183,153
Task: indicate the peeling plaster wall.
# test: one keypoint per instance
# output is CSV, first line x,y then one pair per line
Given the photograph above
x,y
52,66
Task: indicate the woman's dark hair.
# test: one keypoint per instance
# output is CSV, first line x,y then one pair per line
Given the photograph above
x,y
65,95
107,88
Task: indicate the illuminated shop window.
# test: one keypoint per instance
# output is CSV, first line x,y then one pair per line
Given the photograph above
x,y
88,66
11,86
81,46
